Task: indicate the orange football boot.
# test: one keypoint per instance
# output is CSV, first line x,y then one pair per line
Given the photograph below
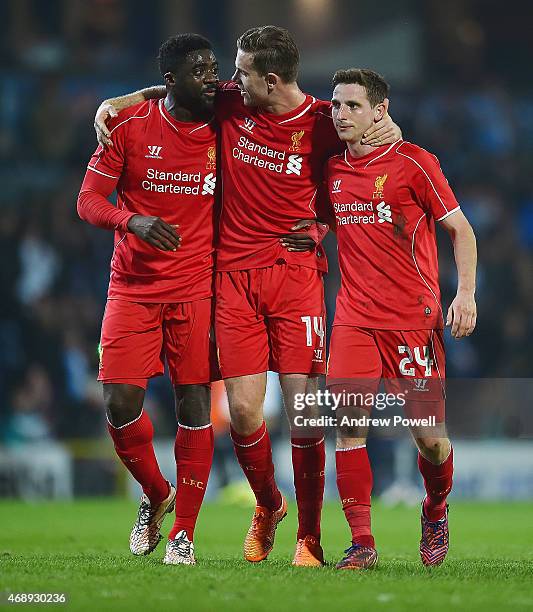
x,y
308,553
259,540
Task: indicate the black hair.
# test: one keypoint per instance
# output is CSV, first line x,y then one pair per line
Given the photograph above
x,y
173,51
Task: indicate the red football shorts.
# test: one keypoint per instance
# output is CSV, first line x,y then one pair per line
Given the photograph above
x,y
137,338
409,362
271,319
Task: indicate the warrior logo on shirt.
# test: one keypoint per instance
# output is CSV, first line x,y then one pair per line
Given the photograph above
x,y
336,186
378,186
296,138
211,158
248,125
154,151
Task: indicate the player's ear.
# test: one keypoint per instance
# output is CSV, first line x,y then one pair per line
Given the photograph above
x,y
272,80
381,109
170,79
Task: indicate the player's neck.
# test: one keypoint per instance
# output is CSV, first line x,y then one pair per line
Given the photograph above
x,y
284,99
181,113
357,149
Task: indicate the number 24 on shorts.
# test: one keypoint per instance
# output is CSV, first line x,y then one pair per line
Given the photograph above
x,y
424,360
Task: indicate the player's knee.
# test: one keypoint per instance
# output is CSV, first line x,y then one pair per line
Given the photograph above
x,y
123,403
434,449
193,405
352,426
345,443
245,419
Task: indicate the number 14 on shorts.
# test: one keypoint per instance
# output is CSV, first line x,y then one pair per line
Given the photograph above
x,y
317,326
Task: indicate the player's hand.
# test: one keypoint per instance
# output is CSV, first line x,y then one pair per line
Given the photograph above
x,y
383,132
301,241
156,232
104,113
462,314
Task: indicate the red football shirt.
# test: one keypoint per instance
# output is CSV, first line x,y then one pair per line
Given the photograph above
x,y
271,169
160,167
385,204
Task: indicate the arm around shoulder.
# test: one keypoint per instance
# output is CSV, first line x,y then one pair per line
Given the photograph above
x,y
111,107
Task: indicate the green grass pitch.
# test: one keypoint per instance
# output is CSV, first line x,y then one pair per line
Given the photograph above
x,y
81,549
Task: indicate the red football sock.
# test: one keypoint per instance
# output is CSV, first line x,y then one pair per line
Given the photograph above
x,y
354,481
308,464
193,450
254,455
438,484
133,443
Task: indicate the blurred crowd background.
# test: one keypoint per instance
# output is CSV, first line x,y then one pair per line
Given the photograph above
x,y
459,88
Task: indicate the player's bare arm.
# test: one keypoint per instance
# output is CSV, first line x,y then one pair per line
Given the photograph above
x,y
111,107
156,232
462,311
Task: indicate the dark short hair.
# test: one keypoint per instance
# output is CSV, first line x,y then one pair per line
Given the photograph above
x,y
377,89
172,52
274,50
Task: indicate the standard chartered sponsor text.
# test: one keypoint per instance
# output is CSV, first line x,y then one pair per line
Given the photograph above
x,y
193,178
244,145
354,207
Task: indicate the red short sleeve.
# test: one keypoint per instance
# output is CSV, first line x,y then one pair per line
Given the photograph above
x,y
427,182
